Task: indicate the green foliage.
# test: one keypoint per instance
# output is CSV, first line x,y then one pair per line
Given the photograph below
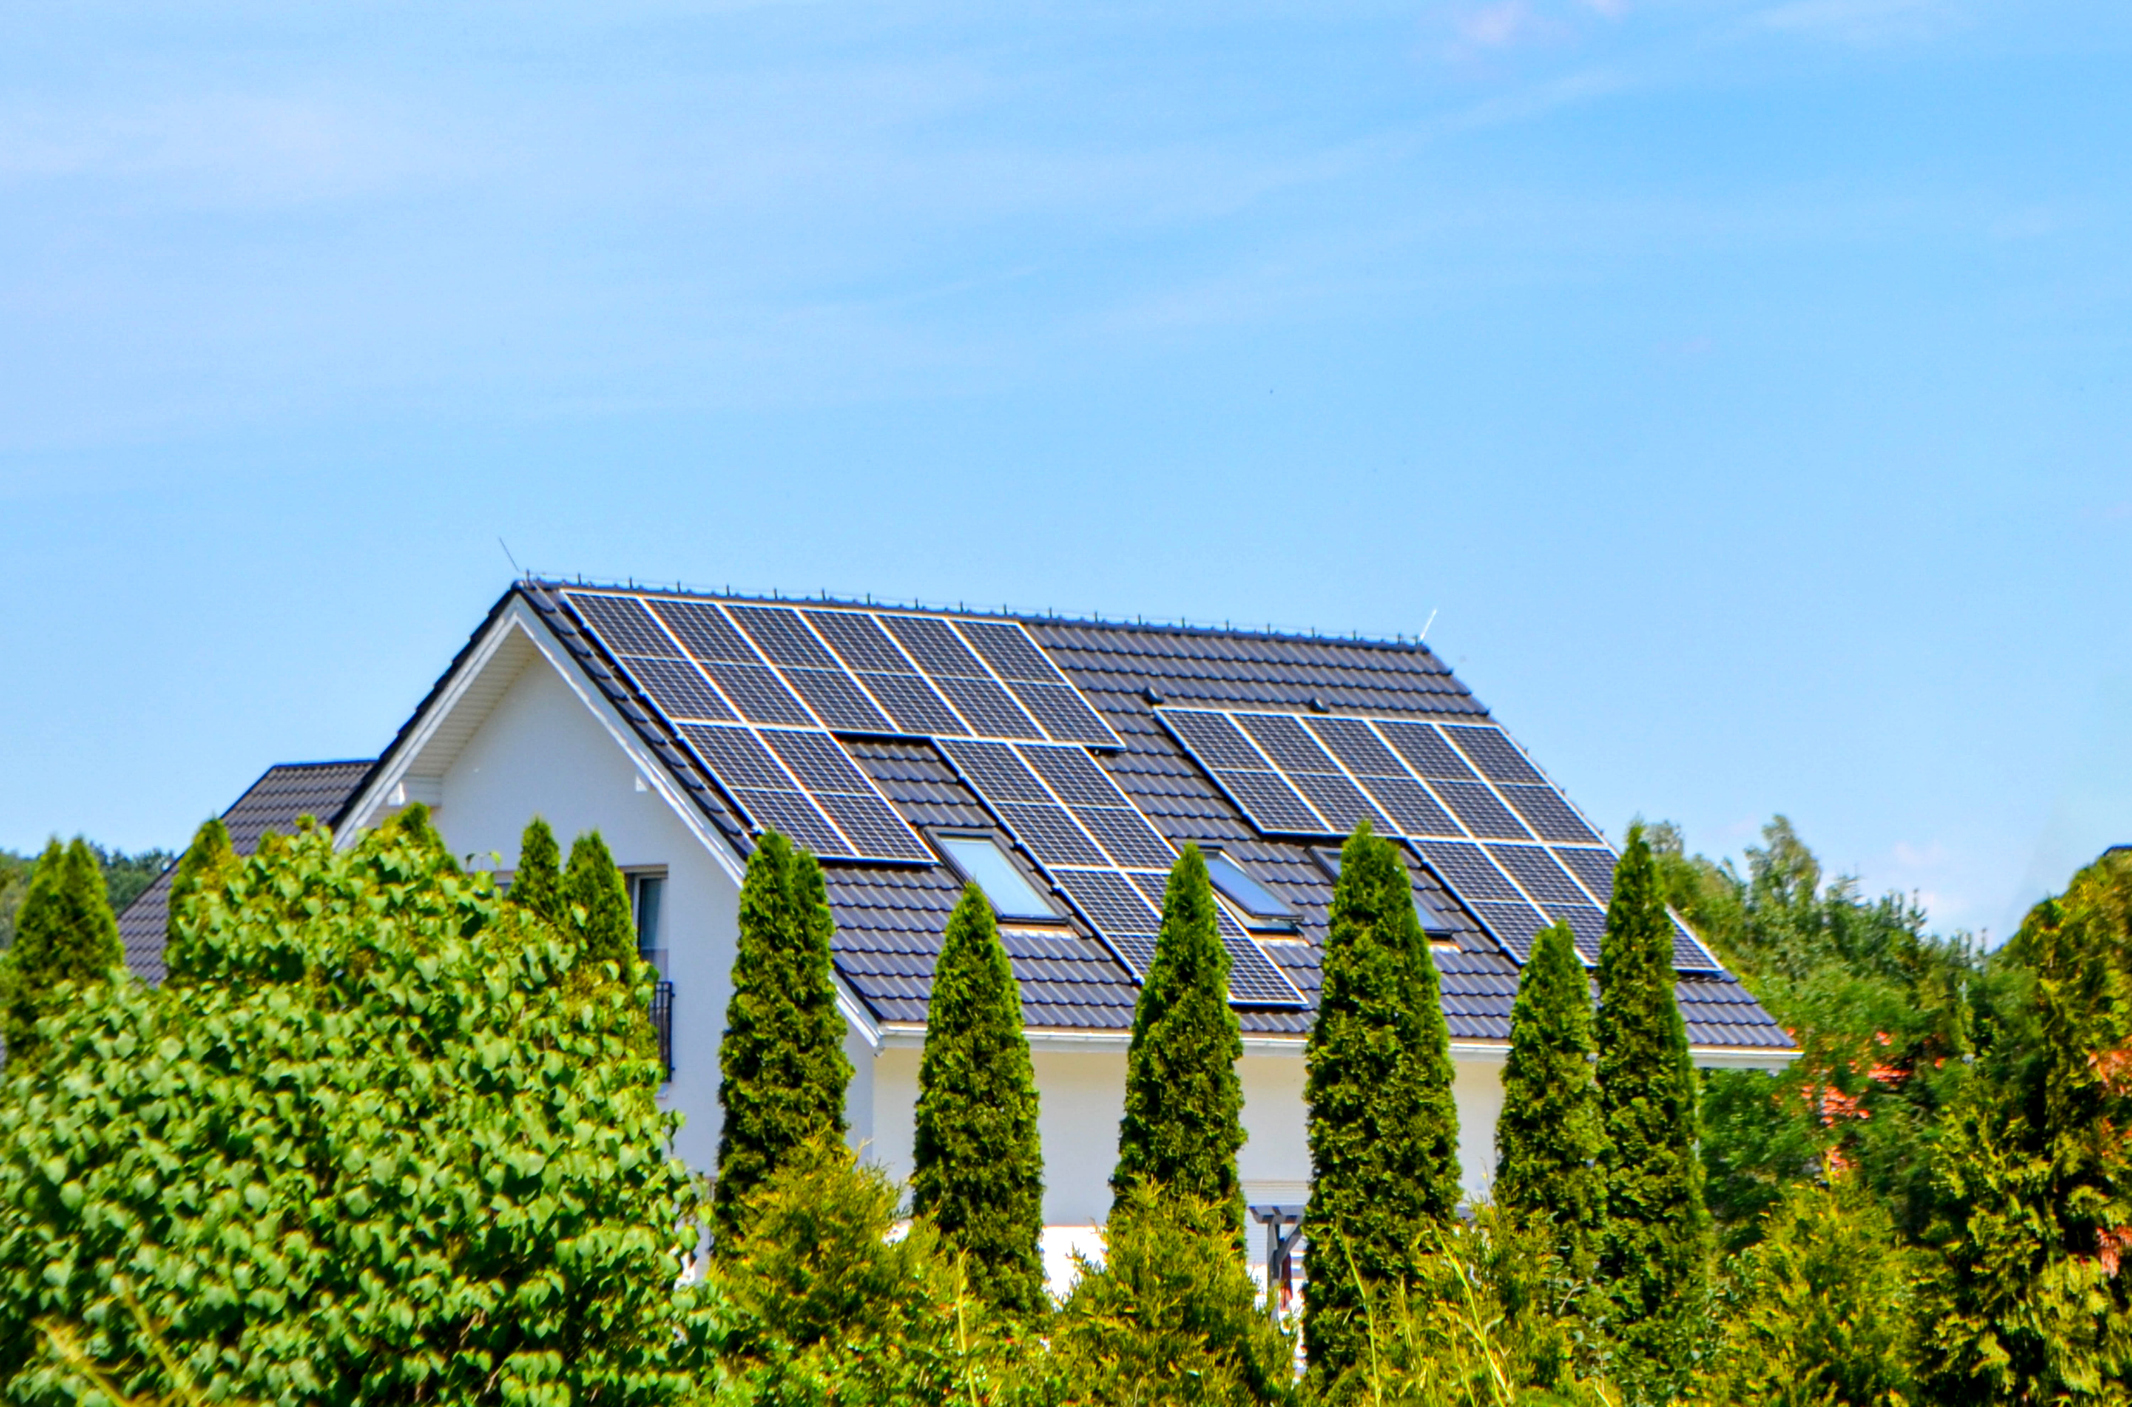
x,y
1184,1101
1485,1319
1382,1125
822,1302
14,879
1549,1137
1822,1311
1169,1315
978,1167
537,883
382,1147
64,934
782,1068
2033,1173
125,876
598,900
1655,1253
1882,1011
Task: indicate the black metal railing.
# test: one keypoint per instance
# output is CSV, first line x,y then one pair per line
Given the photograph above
x,y
662,1022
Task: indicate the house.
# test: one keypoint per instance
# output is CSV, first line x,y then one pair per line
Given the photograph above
x,y
1055,763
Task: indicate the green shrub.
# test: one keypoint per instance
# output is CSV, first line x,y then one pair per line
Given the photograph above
x,y
1822,1311
64,933
823,1301
381,1143
1169,1315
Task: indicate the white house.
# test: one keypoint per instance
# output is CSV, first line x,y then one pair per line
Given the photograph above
x,y
1056,763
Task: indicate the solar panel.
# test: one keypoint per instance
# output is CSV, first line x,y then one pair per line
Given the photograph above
x,y
1467,869
1242,771
915,705
1514,925
1589,924
1550,817
758,693
986,707
704,629
1311,770
801,783
1424,750
782,636
1493,752
1009,650
1482,814
836,700
1594,867
623,624
680,692
1536,872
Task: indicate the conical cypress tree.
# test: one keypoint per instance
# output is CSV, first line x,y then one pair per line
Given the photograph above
x,y
598,900
64,932
537,884
1654,1256
1183,1099
1383,1126
782,1068
208,857
979,1169
1549,1136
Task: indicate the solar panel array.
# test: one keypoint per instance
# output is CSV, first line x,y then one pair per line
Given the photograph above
x,y
1101,853
841,669
1462,795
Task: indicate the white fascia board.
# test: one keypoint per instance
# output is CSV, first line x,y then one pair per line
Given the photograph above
x,y
521,618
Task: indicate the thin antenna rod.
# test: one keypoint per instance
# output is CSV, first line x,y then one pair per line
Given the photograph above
x,y
507,555
1423,638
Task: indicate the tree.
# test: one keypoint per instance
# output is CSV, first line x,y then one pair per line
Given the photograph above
x,y
537,883
978,1171
1822,1310
388,1154
1549,1136
2033,1173
64,933
597,898
1383,1128
1655,1253
1184,1101
208,860
782,1068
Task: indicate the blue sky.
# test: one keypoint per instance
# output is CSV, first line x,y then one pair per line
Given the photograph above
x,y
1741,386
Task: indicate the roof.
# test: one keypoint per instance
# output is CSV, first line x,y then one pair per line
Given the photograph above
x,y
275,803
891,917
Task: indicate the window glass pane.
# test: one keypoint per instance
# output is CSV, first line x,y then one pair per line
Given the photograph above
x,y
650,889
1011,895
1244,891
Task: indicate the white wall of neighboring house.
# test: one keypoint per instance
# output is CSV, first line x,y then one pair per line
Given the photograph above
x,y
533,738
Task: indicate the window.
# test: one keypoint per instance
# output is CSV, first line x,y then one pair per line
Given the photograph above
x,y
980,861
1433,923
1259,904
647,892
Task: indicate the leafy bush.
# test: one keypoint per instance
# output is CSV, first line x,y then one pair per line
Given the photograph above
x,y
1170,1314
823,1301
385,1138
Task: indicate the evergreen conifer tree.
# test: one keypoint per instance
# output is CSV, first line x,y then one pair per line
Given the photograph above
x,y
1654,1258
2032,1172
782,1068
978,1167
1184,1101
598,899
1549,1137
537,884
1383,1127
64,932
210,855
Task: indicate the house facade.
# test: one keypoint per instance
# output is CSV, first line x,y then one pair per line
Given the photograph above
x,y
1057,764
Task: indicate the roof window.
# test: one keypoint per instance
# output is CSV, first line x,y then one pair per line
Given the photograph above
x,y
980,861
1432,922
1259,904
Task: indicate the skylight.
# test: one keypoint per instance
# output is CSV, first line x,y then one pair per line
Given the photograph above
x,y
1432,922
1239,888
984,864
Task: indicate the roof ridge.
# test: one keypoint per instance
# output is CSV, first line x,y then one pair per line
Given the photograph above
x,y
1403,644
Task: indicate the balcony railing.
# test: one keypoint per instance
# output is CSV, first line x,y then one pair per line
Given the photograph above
x,y
662,1021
